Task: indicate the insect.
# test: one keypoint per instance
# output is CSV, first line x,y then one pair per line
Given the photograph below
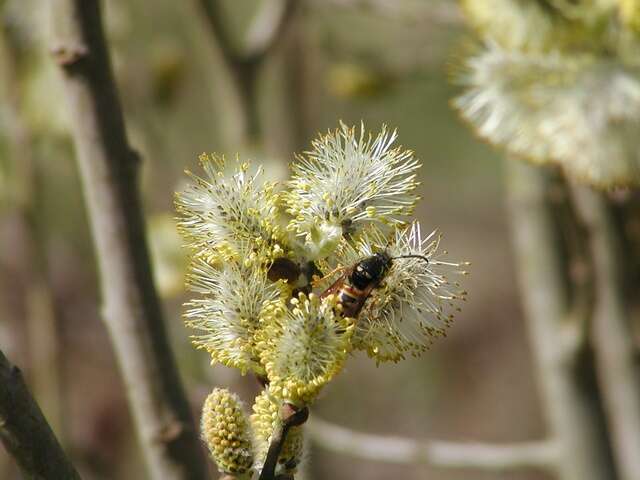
x,y
357,282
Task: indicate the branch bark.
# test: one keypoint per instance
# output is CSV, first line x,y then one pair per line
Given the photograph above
x,y
565,368
25,432
480,456
131,308
616,352
291,417
243,63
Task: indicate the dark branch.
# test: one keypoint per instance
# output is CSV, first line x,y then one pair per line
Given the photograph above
x,y
243,63
291,417
25,432
262,36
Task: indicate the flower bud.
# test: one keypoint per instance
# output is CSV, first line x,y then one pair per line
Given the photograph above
x,y
226,432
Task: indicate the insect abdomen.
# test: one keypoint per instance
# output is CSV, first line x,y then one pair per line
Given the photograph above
x,y
351,299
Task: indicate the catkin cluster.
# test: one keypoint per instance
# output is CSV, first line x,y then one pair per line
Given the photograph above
x,y
270,262
557,81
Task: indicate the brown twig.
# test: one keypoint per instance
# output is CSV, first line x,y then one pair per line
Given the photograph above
x,y
131,311
564,366
25,432
616,352
291,417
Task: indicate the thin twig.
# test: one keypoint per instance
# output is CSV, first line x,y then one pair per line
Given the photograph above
x,y
243,63
616,352
539,455
25,432
132,312
564,366
268,27
263,34
291,417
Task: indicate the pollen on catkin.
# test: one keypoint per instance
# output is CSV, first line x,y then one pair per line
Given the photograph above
x,y
258,255
557,82
227,312
349,179
416,301
304,346
223,214
226,432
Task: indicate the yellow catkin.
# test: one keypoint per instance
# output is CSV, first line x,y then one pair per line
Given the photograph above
x,y
226,432
630,13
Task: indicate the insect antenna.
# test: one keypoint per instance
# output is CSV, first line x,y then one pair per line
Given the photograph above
x,y
412,256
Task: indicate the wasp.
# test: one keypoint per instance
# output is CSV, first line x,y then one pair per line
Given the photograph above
x,y
357,282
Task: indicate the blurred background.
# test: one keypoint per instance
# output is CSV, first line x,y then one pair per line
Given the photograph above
x,y
336,60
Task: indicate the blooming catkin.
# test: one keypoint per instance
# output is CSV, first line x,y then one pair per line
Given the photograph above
x,y
415,302
226,432
557,82
348,180
304,346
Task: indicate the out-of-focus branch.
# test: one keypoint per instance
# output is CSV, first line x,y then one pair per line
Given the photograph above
x,y
25,432
616,352
41,322
243,63
132,312
564,365
481,456
441,13
267,28
262,36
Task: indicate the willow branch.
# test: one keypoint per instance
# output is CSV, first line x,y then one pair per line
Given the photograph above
x,y
25,432
266,29
564,367
617,355
291,417
480,456
131,308
243,63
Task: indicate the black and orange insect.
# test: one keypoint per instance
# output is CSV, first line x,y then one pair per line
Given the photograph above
x,y
357,282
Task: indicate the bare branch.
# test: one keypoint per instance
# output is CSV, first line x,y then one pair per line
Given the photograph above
x,y
291,417
243,64
564,367
263,34
25,432
481,456
215,20
268,27
618,367
132,312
